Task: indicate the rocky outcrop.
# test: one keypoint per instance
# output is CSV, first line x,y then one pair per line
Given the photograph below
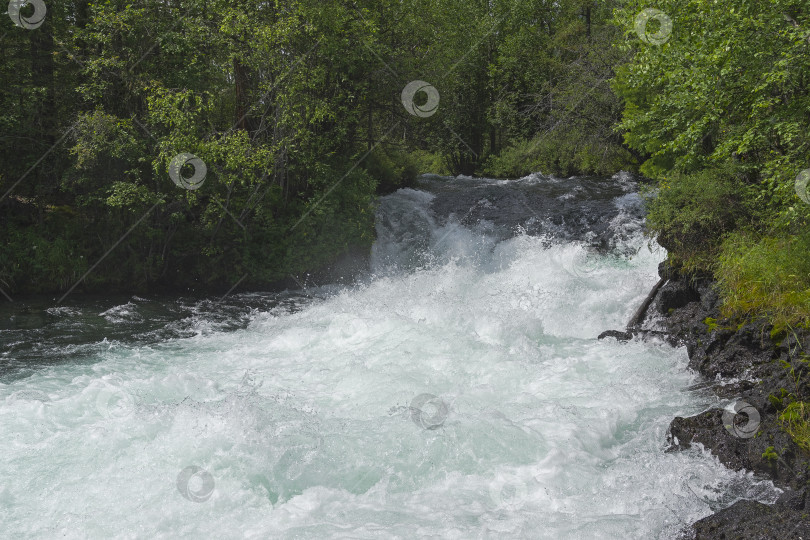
x,y
750,368
750,519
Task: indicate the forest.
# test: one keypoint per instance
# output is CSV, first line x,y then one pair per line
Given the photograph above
x,y
198,144
294,109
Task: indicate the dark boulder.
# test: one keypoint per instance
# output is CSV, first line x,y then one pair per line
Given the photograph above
x,y
753,520
618,334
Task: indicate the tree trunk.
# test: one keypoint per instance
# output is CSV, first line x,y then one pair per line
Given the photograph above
x,y
588,22
242,84
46,122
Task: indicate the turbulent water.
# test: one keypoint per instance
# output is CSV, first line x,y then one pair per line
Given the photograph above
x,y
456,391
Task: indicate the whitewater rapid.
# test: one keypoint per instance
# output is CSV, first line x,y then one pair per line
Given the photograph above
x,y
457,391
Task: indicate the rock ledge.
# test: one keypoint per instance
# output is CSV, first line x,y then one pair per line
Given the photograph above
x,y
745,365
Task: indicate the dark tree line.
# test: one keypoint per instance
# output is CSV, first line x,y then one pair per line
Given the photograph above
x,y
294,108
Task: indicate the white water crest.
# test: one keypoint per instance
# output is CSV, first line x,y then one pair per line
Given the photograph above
x,y
302,423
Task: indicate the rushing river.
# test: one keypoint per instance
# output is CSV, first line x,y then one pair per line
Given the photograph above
x,y
456,391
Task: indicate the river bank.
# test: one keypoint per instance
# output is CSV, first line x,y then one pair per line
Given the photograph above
x,y
755,372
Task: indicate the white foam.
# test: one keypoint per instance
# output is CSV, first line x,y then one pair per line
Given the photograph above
x,y
304,419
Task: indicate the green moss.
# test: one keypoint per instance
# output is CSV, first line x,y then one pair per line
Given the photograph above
x,y
795,420
780,400
770,454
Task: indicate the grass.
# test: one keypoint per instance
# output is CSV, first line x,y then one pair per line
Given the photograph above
x,y
795,421
766,278
690,214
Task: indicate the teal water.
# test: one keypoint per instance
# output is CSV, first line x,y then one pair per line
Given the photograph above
x,y
463,397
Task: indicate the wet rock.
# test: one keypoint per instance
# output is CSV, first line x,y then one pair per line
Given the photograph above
x,y
584,209
707,429
683,308
618,334
754,520
741,441
667,271
745,366
676,295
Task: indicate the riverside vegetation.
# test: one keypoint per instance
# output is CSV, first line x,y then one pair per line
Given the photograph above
x,y
280,100
721,113
295,109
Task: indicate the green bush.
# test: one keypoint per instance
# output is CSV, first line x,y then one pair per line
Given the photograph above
x,y
430,162
392,167
561,154
690,214
42,258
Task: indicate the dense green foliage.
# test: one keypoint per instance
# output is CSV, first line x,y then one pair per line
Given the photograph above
x,y
722,109
295,109
293,106
691,212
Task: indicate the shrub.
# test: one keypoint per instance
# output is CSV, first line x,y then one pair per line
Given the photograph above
x,y
392,167
430,162
561,154
690,214
796,422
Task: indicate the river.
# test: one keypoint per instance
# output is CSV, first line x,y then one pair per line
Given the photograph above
x,y
456,390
